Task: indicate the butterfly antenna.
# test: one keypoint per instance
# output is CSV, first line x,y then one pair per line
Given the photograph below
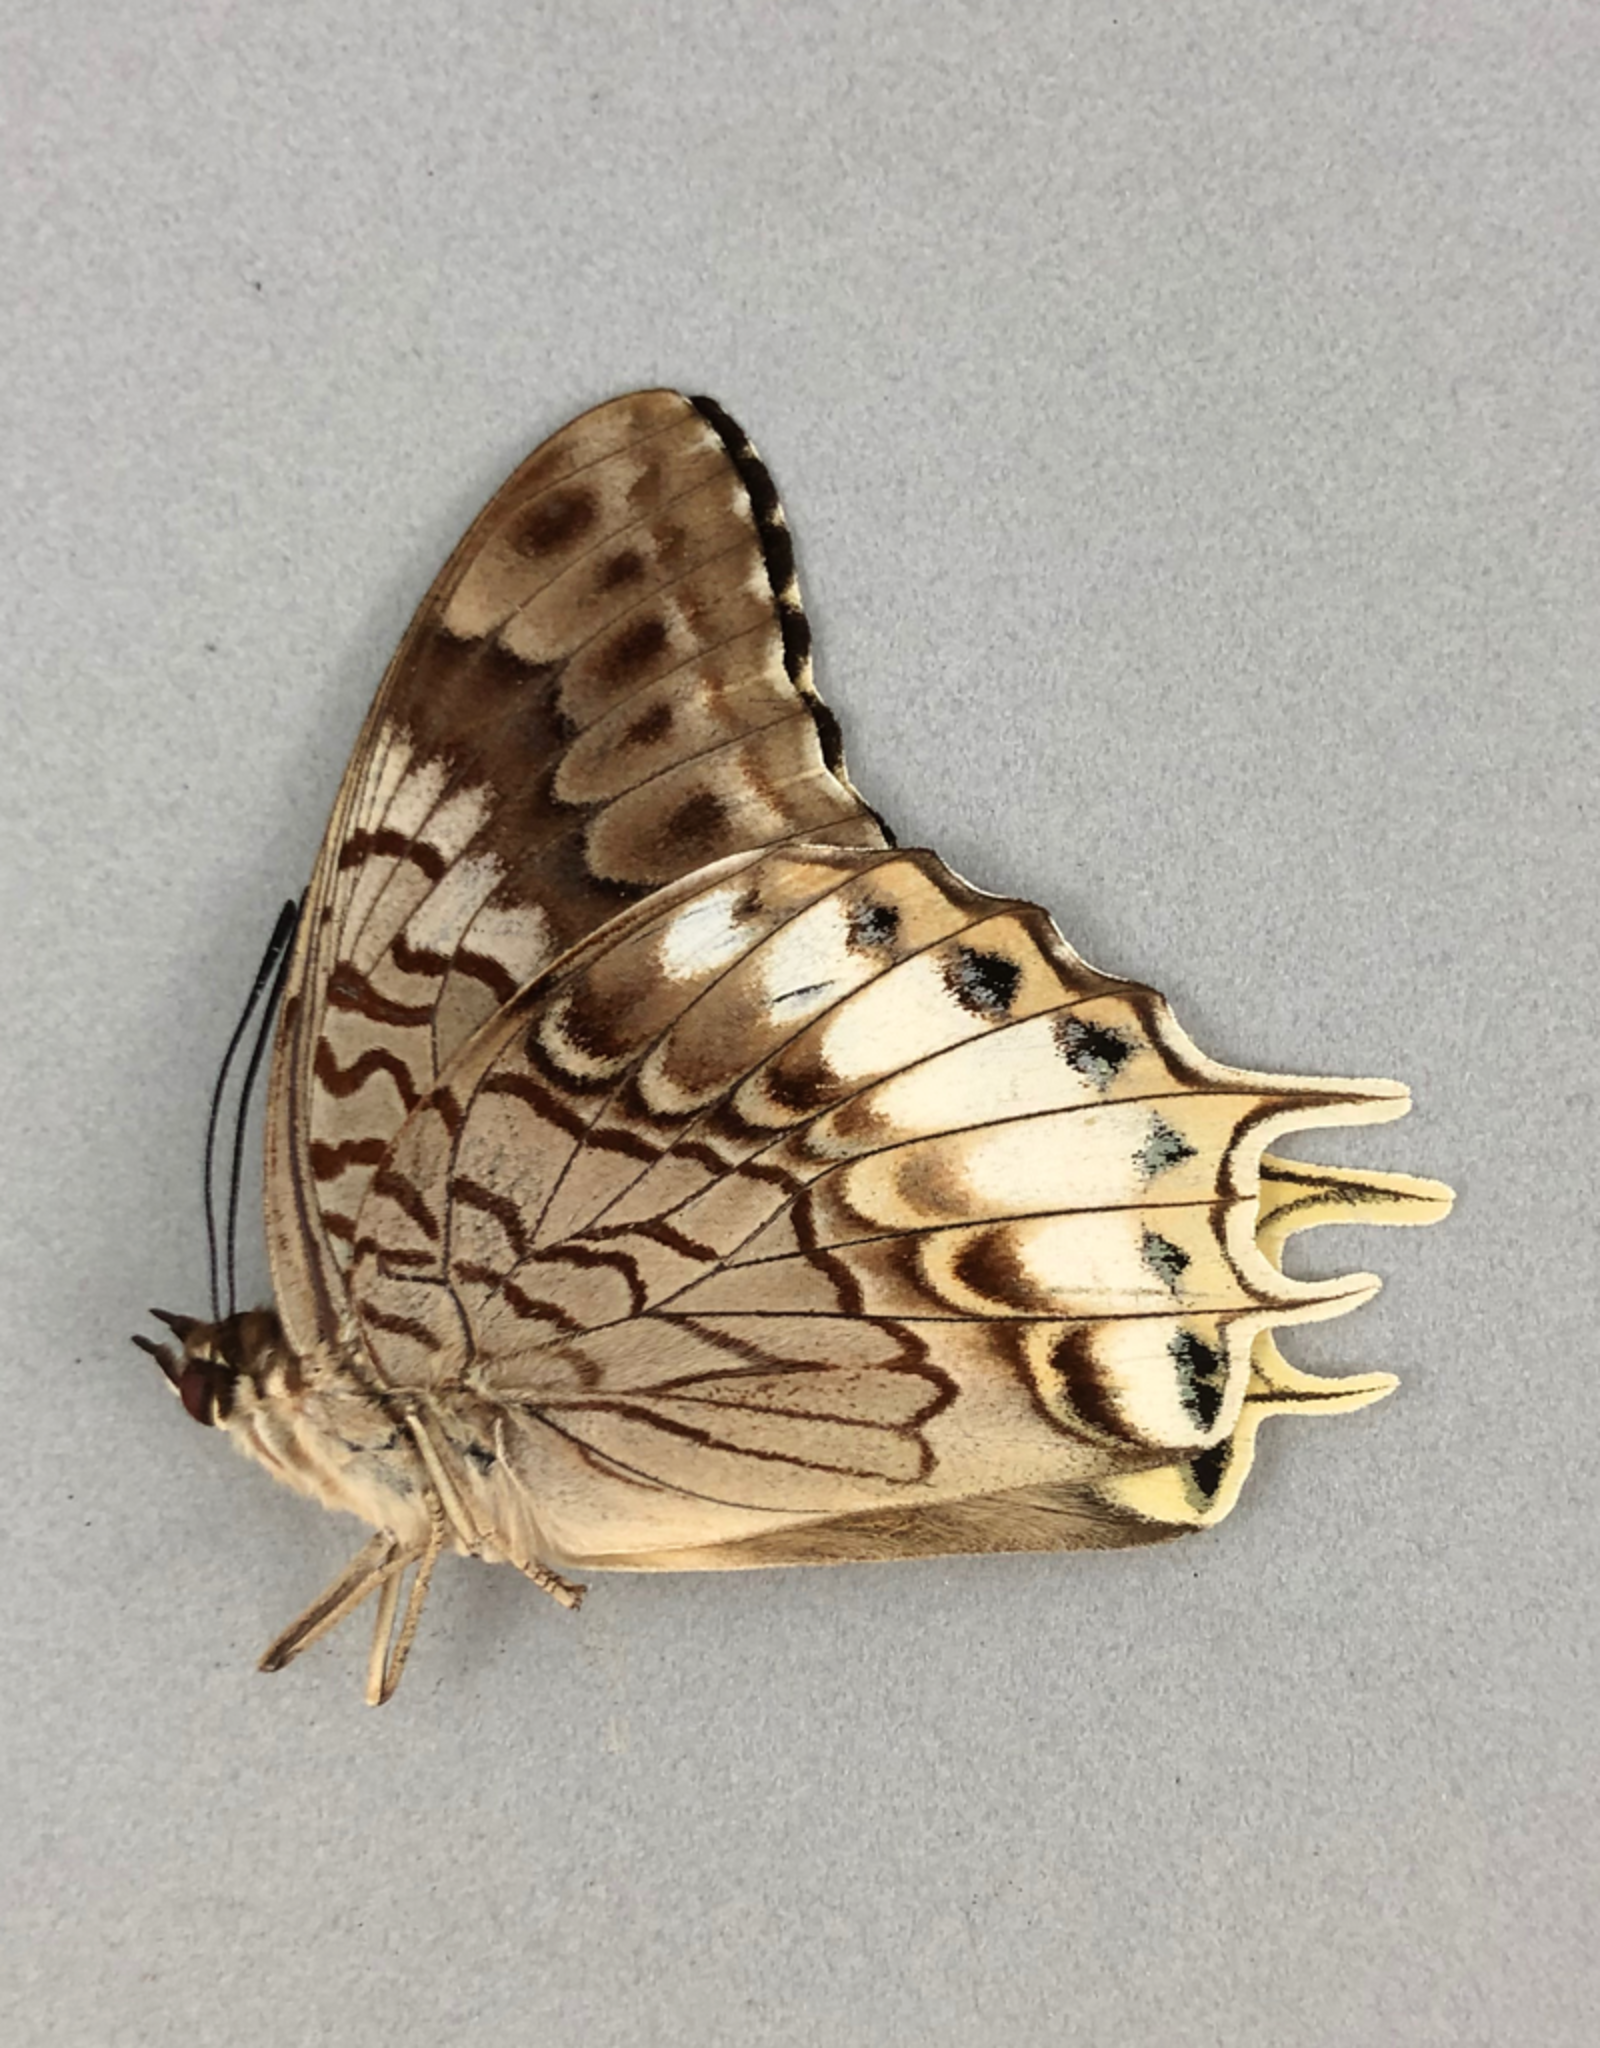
x,y
273,962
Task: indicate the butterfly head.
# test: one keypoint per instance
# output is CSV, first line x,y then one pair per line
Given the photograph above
x,y
208,1361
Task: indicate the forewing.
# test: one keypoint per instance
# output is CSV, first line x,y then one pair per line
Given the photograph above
x,y
607,687
822,1186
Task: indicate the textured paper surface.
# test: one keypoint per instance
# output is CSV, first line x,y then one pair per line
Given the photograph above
x,y
1188,421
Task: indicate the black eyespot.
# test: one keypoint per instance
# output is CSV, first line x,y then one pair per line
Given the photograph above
x,y
1168,1261
1209,1468
1091,1049
873,924
1202,1377
1164,1147
984,983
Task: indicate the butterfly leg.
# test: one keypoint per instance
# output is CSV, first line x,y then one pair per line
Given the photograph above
x,y
564,1592
445,1501
375,1564
384,1665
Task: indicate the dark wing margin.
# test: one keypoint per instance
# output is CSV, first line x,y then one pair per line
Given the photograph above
x,y
777,548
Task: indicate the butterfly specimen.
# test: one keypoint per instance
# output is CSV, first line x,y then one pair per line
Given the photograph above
x,y
665,1171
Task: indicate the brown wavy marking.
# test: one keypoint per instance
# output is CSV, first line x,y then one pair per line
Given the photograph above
x,y
524,1306
350,989
387,842
657,1231
623,1143
328,1162
504,1211
400,1257
419,960
481,967
402,1326
538,1098
344,1081
588,1257
402,1190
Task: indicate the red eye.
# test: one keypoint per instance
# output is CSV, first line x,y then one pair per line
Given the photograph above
x,y
205,1387
194,1391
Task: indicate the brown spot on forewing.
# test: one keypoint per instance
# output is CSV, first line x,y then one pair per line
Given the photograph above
x,y
662,568
672,630
766,787
732,689
554,522
582,485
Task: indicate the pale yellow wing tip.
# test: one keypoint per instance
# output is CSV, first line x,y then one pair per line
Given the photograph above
x,y
1279,1388
1295,1195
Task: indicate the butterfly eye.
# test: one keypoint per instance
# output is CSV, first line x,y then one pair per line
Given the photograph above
x,y
205,1387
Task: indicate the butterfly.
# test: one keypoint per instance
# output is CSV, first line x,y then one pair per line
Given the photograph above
x,y
667,1171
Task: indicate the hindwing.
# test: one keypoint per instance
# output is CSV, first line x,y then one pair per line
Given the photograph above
x,y
821,1180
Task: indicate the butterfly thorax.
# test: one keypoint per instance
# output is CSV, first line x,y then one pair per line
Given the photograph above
x,y
316,1423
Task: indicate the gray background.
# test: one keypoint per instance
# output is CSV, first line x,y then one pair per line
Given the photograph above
x,y
1188,416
